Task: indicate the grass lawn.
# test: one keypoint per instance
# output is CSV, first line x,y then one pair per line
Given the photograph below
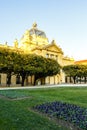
x,y
16,107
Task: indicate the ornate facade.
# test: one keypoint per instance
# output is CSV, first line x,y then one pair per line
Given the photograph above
x,y
35,41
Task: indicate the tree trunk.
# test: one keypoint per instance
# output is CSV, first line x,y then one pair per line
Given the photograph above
x,y
26,80
85,79
42,81
74,78
35,78
66,79
9,79
23,79
80,79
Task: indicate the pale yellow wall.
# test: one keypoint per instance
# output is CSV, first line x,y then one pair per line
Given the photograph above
x,y
68,61
56,79
47,80
52,80
32,78
63,77
3,79
13,79
29,79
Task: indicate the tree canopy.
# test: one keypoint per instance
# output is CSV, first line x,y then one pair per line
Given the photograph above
x,y
75,71
12,62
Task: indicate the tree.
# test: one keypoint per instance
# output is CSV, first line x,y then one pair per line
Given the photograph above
x,y
71,71
29,64
21,66
53,67
12,62
75,71
8,62
38,66
47,67
82,72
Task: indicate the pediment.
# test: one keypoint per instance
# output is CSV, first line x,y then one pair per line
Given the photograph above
x,y
53,48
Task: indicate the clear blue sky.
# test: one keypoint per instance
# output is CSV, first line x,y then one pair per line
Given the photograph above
x,y
62,20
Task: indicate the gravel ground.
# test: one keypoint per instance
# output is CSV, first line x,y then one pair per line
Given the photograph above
x,y
44,86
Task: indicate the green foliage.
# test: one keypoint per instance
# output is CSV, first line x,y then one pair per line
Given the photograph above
x,y
75,71
7,58
53,67
43,67
70,70
12,62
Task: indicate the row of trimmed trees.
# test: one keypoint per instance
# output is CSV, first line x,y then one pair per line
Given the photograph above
x,y
77,72
16,63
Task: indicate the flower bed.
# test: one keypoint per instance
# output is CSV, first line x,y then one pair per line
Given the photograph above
x,y
68,112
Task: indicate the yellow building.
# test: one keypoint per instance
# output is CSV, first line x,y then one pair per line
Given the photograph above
x,y
81,62
35,41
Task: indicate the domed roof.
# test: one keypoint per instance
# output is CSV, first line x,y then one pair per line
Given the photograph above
x,y
37,32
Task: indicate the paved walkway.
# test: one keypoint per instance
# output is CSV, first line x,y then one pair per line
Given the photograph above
x,y
44,86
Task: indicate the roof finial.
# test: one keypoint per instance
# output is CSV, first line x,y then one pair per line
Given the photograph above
x,y
53,41
34,25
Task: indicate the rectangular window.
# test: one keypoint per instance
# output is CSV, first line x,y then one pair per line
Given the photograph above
x,y
51,56
47,55
56,57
